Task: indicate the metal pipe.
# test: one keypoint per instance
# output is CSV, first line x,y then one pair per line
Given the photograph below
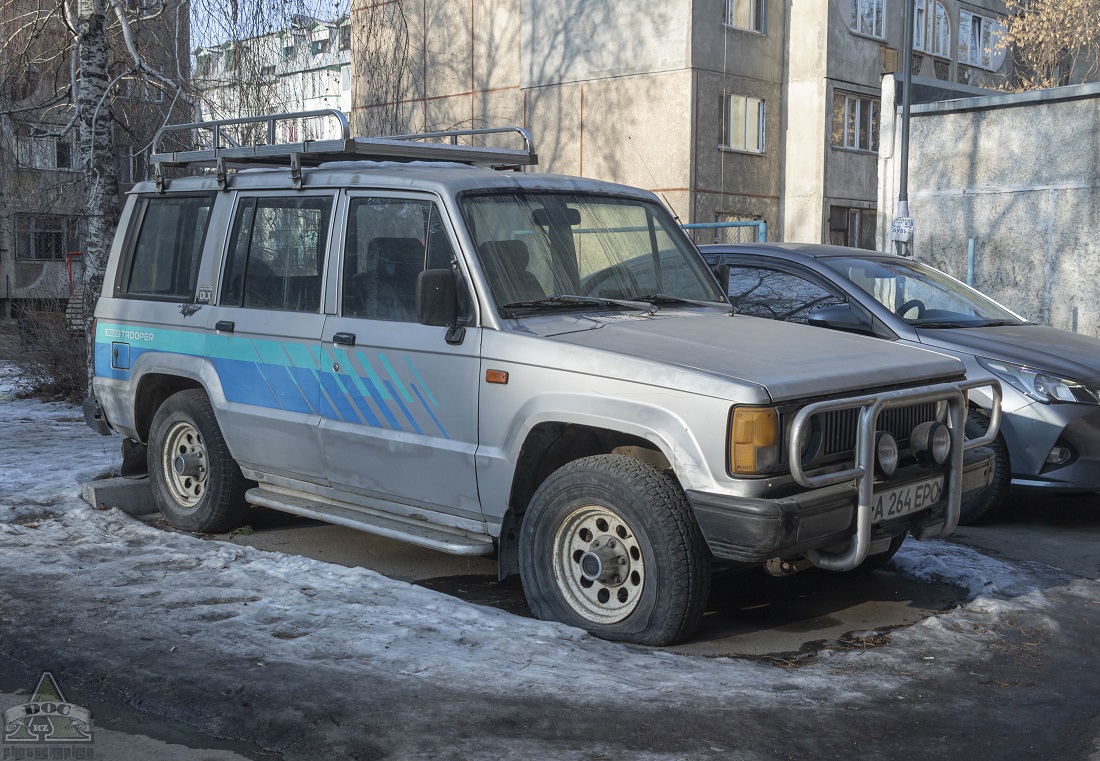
x,y
970,262
907,83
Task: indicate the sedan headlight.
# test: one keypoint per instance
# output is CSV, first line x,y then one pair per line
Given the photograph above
x,y
1041,386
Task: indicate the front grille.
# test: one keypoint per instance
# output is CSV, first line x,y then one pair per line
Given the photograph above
x,y
838,427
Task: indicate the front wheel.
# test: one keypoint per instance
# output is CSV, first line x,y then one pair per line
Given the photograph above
x,y
610,544
196,483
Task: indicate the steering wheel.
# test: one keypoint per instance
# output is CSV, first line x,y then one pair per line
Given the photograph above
x,y
616,275
909,305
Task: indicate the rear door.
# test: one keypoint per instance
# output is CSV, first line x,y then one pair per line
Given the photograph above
x,y
267,329
402,425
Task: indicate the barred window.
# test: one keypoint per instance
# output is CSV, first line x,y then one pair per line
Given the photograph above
x,y
47,236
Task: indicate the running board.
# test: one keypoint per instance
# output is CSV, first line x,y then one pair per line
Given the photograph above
x,y
444,539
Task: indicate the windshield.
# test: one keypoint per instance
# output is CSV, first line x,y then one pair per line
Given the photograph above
x,y
541,250
922,296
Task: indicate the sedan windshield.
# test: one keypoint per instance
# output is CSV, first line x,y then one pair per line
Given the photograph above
x,y
922,296
568,251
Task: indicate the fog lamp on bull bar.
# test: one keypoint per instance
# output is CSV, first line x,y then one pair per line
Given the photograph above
x,y
930,443
886,454
753,440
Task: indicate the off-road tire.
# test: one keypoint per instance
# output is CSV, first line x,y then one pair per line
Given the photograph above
x,y
212,501
658,538
989,502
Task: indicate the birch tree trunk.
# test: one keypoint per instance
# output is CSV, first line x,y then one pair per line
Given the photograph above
x,y
96,149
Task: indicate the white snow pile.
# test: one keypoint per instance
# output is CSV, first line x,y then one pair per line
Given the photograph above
x,y
187,592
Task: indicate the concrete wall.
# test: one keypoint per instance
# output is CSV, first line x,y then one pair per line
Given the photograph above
x,y
1020,174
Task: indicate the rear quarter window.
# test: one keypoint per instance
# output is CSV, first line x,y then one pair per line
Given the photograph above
x,y
163,260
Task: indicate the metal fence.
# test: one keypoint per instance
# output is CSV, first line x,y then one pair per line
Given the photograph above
x,y
728,232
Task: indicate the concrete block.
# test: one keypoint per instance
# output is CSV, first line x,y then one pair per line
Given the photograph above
x,y
131,496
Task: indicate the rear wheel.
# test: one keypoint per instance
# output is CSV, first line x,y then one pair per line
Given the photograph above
x,y
990,500
610,544
195,481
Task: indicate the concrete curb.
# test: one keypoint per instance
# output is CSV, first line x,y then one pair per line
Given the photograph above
x,y
131,496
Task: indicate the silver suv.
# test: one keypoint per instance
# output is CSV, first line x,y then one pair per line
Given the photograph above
x,y
386,334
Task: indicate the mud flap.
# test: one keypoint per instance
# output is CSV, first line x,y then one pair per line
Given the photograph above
x,y
134,462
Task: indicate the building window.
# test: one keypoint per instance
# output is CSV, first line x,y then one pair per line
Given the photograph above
x,y
745,14
132,165
980,40
867,17
344,38
742,126
43,152
41,237
289,49
850,226
931,28
855,122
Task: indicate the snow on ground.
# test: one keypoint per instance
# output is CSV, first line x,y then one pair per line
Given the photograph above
x,y
273,607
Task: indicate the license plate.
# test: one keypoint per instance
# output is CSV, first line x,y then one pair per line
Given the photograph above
x,y
903,500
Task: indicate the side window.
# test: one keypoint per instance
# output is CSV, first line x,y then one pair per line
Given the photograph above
x,y
164,260
277,253
777,295
389,242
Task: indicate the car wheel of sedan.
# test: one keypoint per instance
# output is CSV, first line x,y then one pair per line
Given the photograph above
x,y
610,544
196,483
986,503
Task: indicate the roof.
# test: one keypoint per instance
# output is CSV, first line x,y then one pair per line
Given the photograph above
x,y
814,250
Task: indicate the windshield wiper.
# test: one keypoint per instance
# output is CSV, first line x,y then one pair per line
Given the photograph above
x,y
946,325
568,300
664,298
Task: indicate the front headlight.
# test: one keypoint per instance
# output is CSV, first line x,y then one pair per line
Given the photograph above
x,y
1041,386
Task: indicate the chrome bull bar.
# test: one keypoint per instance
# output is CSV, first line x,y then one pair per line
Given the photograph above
x,y
864,472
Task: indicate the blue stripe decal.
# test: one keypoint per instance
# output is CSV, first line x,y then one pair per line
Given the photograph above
x,y
427,390
404,409
338,398
288,392
242,382
358,400
374,379
396,381
428,410
308,383
324,406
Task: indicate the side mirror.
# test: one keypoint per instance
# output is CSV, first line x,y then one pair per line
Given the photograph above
x,y
839,317
436,298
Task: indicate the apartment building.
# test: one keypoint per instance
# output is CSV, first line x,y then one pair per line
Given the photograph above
x,y
731,110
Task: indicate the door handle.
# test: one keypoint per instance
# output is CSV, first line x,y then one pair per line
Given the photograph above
x,y
224,326
344,339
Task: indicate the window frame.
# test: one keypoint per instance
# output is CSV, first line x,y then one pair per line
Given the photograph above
x,y
878,25
977,58
137,219
71,227
757,14
227,247
872,134
726,123
925,25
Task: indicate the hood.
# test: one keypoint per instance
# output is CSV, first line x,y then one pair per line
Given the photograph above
x,y
1060,352
790,361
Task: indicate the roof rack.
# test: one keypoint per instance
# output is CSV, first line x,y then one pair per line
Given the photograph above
x,y
226,152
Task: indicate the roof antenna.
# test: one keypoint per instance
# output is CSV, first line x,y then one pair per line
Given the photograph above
x,y
654,180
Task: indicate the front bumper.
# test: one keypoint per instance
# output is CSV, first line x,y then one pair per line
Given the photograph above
x,y
1032,431
751,530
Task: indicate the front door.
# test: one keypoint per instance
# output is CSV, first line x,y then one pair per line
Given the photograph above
x,y
404,427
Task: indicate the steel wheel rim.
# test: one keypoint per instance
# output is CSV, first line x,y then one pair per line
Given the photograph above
x,y
595,538
187,490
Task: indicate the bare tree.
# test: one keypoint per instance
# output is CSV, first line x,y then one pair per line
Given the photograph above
x,y
84,85
1053,42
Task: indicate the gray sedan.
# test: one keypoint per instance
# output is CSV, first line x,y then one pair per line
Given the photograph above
x,y
1050,433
